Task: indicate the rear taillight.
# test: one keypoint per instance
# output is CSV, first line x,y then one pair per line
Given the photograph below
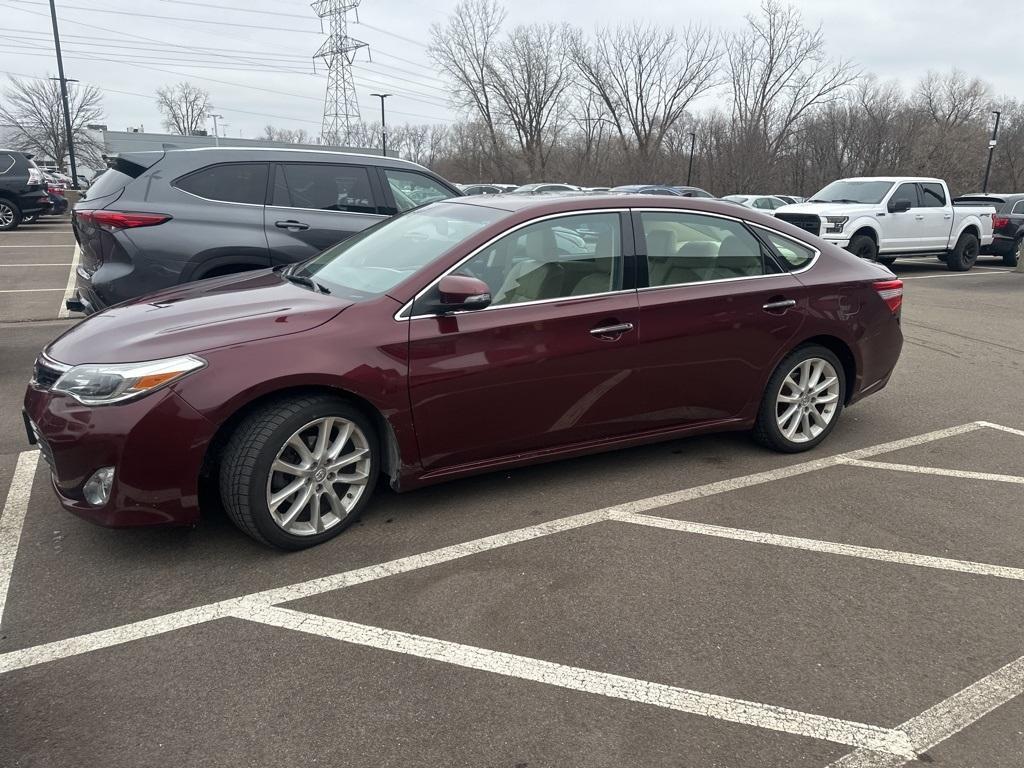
x,y
891,292
122,219
35,176
998,222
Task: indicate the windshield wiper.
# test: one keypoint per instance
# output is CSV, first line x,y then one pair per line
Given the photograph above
x,y
303,280
818,200
844,200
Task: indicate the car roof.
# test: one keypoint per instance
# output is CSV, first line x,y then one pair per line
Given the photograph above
x,y
540,205
271,153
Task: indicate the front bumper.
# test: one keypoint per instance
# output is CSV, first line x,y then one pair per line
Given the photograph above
x,y
156,444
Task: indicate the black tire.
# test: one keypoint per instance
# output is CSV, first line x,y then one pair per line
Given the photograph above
x,y
245,466
10,215
963,256
1010,259
766,427
886,261
864,247
30,219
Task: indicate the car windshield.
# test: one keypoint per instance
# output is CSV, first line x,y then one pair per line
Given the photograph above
x,y
845,191
377,259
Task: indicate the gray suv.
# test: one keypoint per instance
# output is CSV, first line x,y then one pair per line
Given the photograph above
x,y
157,219
22,189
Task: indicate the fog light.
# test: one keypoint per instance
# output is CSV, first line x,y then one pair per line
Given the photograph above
x,y
97,488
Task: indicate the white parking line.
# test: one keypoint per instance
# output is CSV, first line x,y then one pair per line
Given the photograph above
x,y
13,517
947,718
69,290
993,271
1011,430
29,290
52,264
826,547
964,474
54,245
753,713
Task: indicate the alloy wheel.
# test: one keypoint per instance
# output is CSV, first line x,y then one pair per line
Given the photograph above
x,y
318,476
808,400
6,215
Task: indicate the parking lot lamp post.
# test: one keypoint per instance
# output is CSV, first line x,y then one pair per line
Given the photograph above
x,y
216,133
383,128
693,147
991,151
64,99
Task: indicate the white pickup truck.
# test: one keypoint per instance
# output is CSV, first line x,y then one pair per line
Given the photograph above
x,y
884,218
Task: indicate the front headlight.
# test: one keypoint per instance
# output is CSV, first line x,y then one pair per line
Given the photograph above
x,y
104,383
834,224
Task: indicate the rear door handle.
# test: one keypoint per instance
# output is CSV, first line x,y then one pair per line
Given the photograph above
x,y
773,306
609,331
291,224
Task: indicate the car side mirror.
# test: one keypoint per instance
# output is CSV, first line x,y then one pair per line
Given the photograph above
x,y
899,206
461,292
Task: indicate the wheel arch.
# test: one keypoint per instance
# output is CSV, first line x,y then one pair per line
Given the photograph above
x,y
390,455
866,229
843,351
969,229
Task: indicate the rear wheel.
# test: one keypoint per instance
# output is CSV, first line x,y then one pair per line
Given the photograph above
x,y
963,256
803,400
864,247
299,471
10,215
30,219
1013,258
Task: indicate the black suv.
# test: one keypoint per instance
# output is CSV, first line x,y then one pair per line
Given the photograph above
x,y
22,189
1007,225
156,219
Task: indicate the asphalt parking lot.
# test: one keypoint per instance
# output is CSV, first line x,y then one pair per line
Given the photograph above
x,y
701,602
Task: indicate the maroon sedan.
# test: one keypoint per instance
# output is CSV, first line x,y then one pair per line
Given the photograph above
x,y
458,338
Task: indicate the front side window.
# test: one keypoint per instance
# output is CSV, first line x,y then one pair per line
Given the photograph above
x,y
690,248
411,189
932,195
379,258
227,183
796,255
906,192
555,258
324,187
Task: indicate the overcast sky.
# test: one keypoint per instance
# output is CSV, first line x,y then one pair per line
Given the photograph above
x,y
256,62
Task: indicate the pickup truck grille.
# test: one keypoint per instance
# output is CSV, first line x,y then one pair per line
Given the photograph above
x,y
808,222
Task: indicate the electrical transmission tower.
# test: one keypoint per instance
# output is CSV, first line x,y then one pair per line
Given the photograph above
x,y
341,109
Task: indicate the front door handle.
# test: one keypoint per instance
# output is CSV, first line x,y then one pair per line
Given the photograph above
x,y
291,224
919,218
782,304
611,331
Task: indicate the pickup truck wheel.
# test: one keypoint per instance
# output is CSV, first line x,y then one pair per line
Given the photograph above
x,y
10,215
864,247
887,261
1013,258
963,256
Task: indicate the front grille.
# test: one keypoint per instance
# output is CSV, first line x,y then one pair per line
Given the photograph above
x,y
808,222
45,374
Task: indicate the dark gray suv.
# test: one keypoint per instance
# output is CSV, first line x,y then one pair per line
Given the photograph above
x,y
22,189
156,219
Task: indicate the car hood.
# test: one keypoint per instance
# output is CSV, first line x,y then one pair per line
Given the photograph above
x,y
192,318
852,210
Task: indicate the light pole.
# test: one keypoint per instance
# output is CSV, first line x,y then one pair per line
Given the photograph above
x,y
991,151
64,98
383,129
216,134
693,148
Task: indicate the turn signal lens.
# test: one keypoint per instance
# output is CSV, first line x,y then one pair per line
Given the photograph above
x,y
891,292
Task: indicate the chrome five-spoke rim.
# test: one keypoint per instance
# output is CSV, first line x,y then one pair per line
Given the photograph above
x,y
807,400
318,476
6,215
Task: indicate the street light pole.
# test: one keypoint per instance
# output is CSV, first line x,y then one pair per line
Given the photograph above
x,y
693,148
216,134
383,129
64,99
991,151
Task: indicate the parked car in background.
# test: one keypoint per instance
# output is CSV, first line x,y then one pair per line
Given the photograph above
x,y
543,189
766,203
596,189
22,189
481,189
157,219
790,199
458,338
646,189
885,218
1007,224
692,192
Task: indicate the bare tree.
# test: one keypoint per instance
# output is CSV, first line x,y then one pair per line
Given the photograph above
x,y
286,135
183,107
33,112
647,77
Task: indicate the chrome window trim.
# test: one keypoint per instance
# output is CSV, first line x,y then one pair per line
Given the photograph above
x,y
814,258
518,304
324,210
1018,204
9,157
215,200
590,211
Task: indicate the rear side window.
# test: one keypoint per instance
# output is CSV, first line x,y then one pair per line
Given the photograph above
x,y
411,189
796,255
324,187
932,195
1018,207
690,248
6,163
109,182
228,183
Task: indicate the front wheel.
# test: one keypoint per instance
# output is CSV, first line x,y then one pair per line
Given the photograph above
x,y
864,247
299,471
803,400
963,256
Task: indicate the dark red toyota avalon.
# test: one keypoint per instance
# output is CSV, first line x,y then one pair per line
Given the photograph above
x,y
458,338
